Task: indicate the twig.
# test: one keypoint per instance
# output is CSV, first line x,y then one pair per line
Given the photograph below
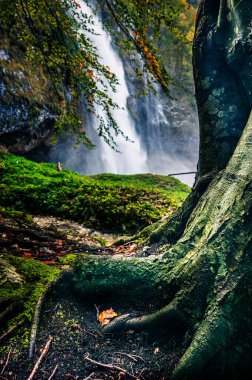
x,y
43,354
97,312
89,376
88,332
53,372
36,316
7,361
109,367
5,335
128,355
131,356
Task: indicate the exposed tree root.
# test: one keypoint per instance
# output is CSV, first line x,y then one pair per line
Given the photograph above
x,y
10,331
171,230
11,309
201,279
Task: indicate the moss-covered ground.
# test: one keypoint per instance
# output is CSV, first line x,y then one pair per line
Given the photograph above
x,y
23,281
107,202
110,203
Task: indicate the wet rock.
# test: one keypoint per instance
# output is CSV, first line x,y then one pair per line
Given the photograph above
x,y
8,273
27,109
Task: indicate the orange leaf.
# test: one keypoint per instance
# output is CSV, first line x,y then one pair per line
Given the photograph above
x,y
107,316
27,254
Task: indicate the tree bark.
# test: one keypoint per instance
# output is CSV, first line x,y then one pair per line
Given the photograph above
x,y
203,281
222,61
223,79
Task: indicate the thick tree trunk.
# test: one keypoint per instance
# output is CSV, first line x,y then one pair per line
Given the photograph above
x,y
203,282
222,60
223,78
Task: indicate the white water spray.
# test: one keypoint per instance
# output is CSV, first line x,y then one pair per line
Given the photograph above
x,y
132,157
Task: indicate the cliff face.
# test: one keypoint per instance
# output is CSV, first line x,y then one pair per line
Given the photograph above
x,y
27,105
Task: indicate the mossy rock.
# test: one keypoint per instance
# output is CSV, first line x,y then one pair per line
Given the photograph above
x,y
108,202
22,281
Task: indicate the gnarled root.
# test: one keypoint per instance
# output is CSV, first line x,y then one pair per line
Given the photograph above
x,y
203,279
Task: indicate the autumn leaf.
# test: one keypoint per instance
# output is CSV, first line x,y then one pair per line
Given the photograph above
x,y
105,317
90,73
27,255
76,4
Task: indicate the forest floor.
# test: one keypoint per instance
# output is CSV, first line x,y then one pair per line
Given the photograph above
x,y
47,220
77,338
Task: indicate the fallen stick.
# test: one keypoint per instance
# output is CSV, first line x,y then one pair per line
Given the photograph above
x,y
53,372
88,332
7,361
131,356
43,354
97,312
128,355
5,335
109,367
89,376
36,316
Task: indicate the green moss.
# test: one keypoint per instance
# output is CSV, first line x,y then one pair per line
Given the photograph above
x,y
16,215
35,277
118,203
68,259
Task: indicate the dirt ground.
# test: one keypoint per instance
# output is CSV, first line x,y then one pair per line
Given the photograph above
x,y
77,337
79,350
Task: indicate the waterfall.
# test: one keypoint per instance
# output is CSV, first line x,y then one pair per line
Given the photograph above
x,y
170,133
163,130
131,156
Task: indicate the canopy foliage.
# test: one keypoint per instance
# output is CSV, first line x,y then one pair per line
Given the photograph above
x,y
54,35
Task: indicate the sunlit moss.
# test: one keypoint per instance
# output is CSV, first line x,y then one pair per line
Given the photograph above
x,y
114,203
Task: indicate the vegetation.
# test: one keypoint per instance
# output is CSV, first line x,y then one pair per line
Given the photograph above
x,y
63,53
105,202
23,281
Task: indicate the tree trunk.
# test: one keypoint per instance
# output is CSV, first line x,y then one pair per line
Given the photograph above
x,y
222,53
203,281
223,78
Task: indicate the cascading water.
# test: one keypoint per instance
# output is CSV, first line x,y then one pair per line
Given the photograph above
x,y
163,130
169,134
131,156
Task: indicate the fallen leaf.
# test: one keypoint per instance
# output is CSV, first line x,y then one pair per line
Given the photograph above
x,y
156,351
49,262
27,254
105,317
